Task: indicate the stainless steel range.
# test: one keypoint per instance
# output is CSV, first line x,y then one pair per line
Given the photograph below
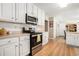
x,y
35,43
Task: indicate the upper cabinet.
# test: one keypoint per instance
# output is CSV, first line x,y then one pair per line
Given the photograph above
x,y
16,12
20,12
39,16
30,9
42,18
35,11
13,12
8,11
0,10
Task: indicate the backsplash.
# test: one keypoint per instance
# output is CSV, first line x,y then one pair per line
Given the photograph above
x,y
15,27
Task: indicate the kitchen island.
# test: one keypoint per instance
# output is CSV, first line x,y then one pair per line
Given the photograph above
x,y
72,38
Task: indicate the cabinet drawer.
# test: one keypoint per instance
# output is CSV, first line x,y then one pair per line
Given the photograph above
x,y
8,40
25,38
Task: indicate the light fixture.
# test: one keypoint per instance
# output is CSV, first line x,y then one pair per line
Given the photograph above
x,y
62,5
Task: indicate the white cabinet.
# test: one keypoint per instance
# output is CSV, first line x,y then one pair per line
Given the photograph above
x,y
45,38
69,39
30,9
24,45
8,11
77,27
1,51
18,46
35,11
42,18
13,12
39,16
20,12
72,39
11,50
0,10
9,47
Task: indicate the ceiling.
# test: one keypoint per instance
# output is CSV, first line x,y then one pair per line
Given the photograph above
x,y
53,9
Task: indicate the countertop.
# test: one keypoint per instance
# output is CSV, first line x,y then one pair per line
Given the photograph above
x,y
72,32
13,35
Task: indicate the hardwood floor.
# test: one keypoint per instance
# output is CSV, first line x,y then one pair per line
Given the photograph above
x,y
58,47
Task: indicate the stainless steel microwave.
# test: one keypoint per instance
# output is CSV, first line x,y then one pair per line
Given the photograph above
x,y
31,20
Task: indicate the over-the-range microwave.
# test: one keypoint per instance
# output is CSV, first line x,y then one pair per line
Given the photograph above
x,y
31,20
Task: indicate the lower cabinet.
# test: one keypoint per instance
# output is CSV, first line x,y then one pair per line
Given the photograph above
x,y
24,45
11,50
45,38
72,39
18,46
9,47
1,51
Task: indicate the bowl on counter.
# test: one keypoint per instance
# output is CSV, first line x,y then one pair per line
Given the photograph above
x,y
3,31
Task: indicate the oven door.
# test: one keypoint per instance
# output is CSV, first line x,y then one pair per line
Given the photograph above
x,y
35,43
36,39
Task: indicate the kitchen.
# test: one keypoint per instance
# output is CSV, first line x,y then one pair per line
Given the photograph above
x,y
18,22
39,29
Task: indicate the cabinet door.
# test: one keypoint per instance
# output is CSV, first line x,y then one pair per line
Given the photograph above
x,y
11,50
35,11
20,12
45,38
39,16
1,51
42,18
0,10
24,46
30,9
77,27
76,40
68,39
8,11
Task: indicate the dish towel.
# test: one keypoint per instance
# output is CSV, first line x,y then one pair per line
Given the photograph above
x,y
38,38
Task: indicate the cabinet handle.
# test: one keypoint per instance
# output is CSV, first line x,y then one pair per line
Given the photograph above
x,y
16,19
9,41
12,18
20,44
16,46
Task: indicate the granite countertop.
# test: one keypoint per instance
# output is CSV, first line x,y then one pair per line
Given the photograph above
x,y
14,35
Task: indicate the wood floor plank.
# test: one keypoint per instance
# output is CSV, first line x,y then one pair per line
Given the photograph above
x,y
62,50
72,52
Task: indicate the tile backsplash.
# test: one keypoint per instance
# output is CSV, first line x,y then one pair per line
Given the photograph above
x,y
15,27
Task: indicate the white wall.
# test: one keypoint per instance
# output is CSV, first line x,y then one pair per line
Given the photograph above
x,y
71,16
